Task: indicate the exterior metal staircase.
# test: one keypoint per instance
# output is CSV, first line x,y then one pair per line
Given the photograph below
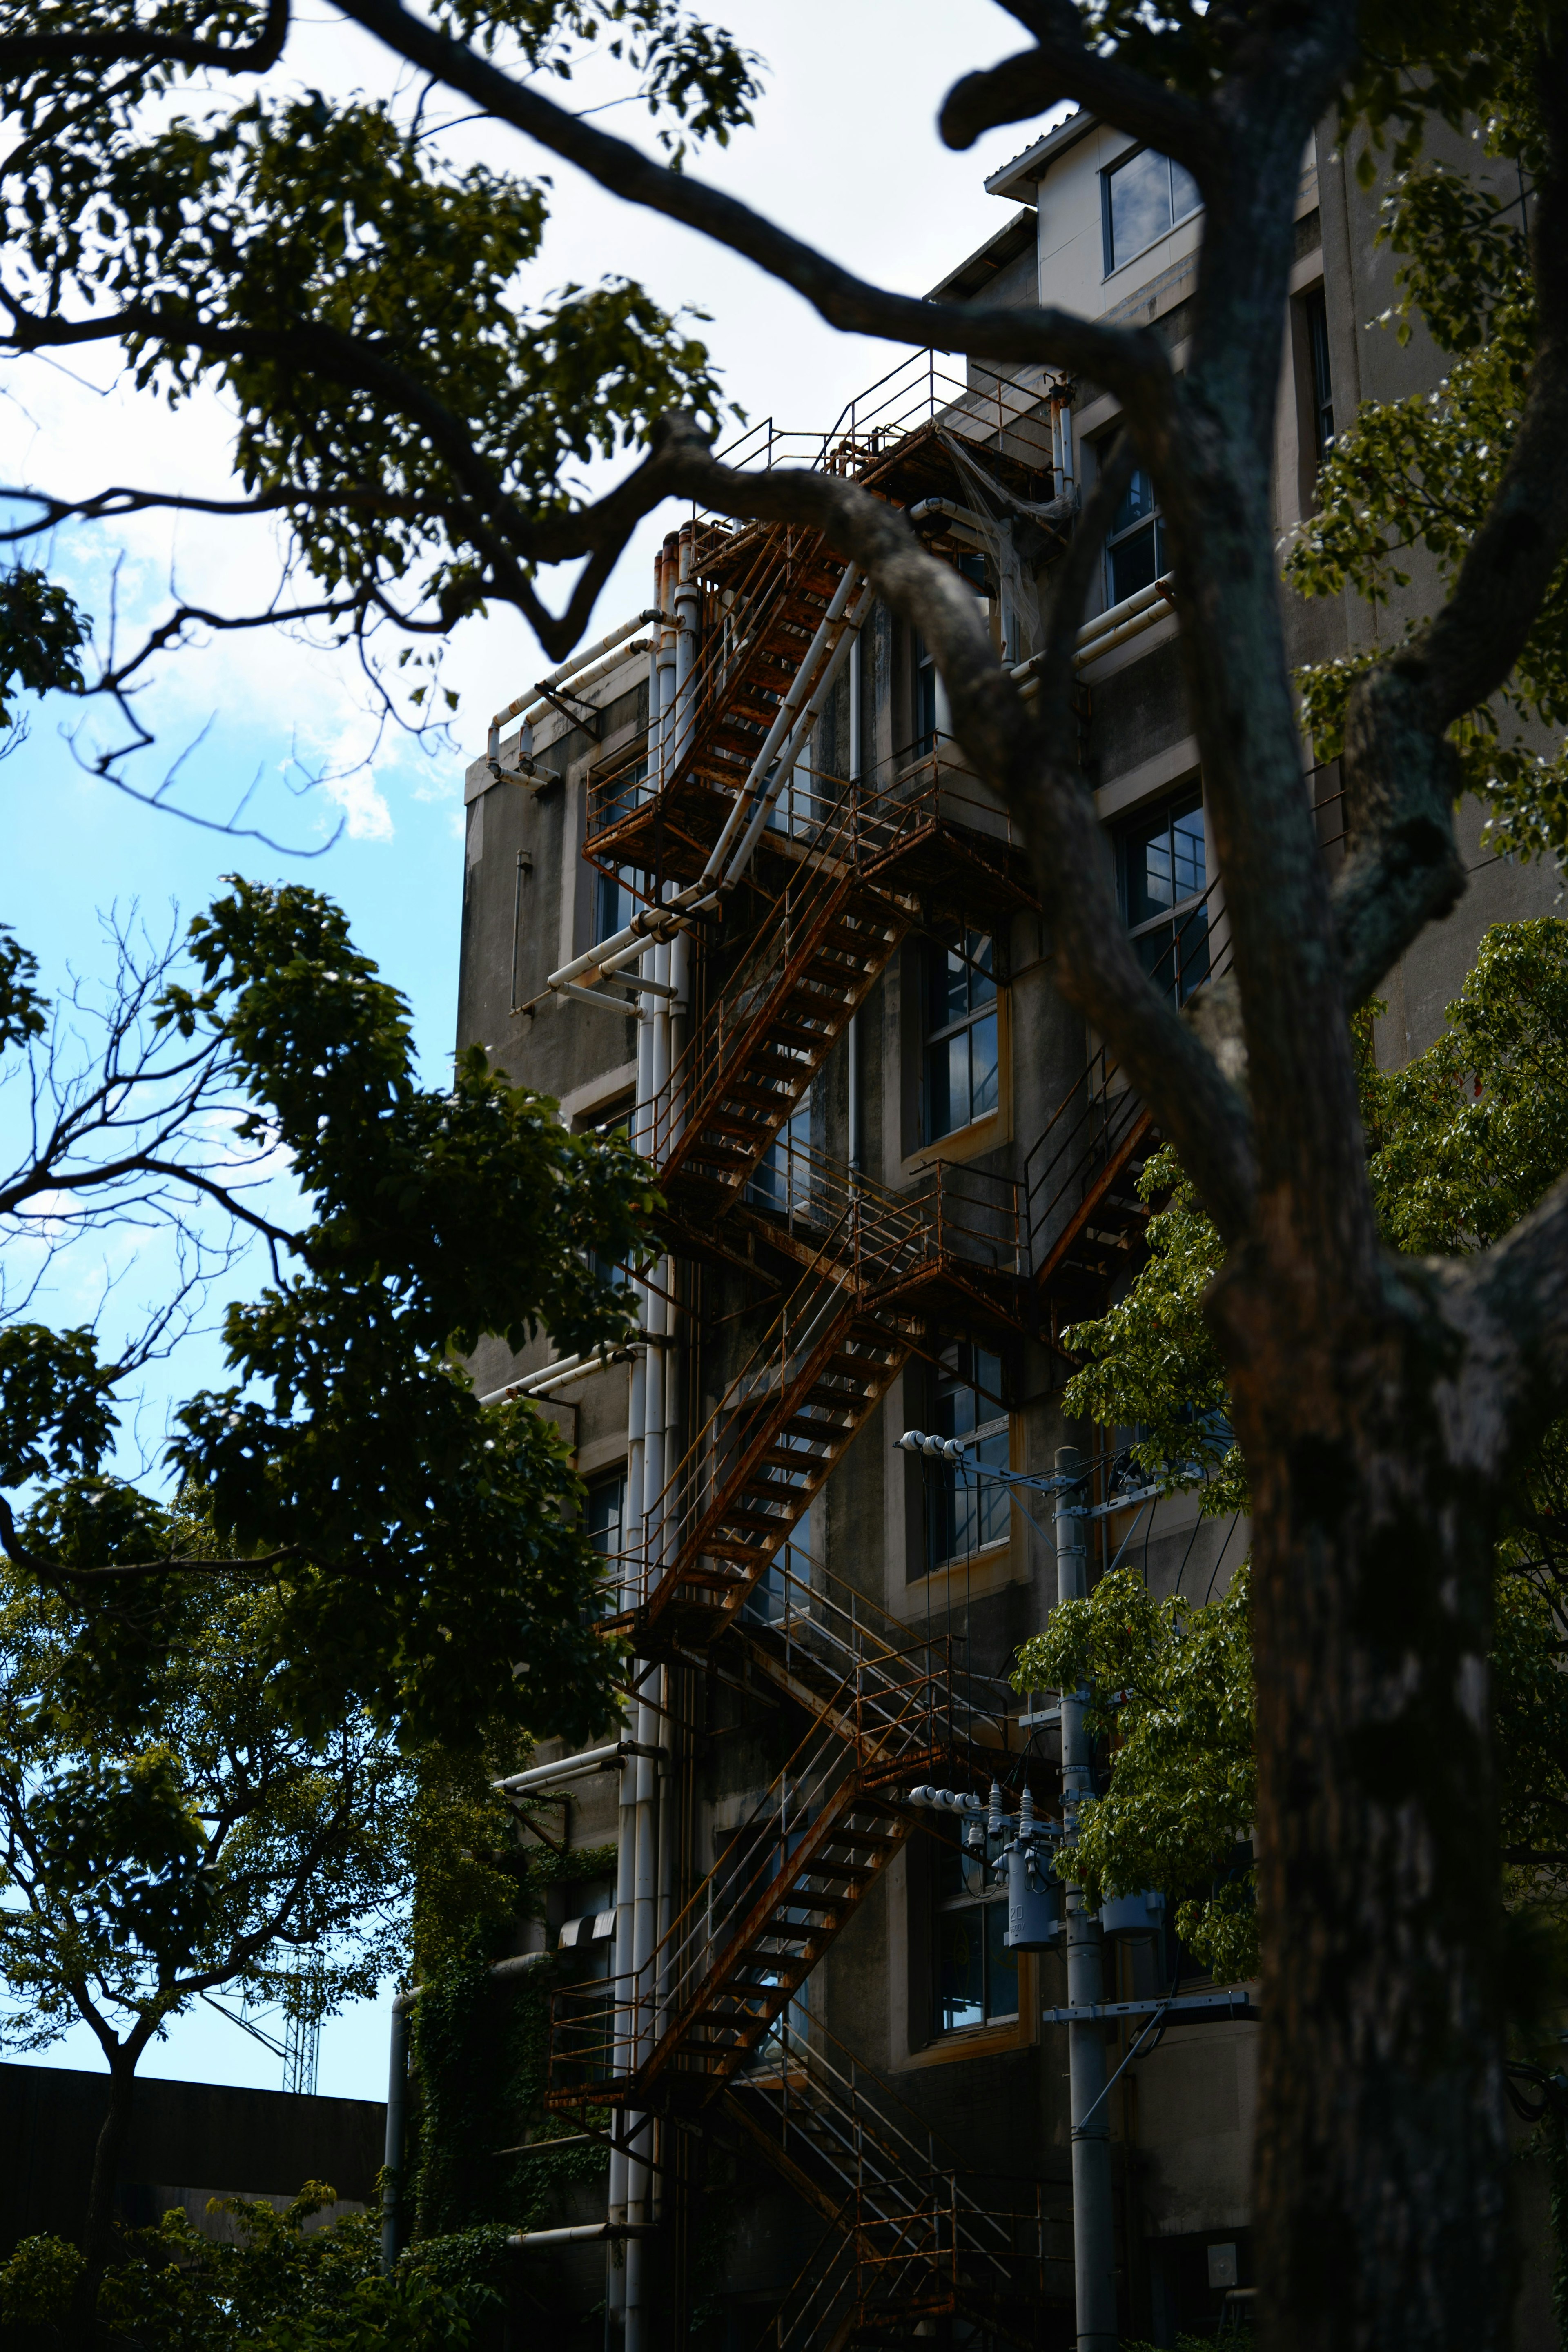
x,y
877,1268
714,1989
711,2018
914,2235
765,589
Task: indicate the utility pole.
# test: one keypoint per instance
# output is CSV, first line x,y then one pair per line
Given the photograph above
x,y
1093,2238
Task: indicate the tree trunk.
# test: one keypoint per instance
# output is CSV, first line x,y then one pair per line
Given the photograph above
x,y
1381,2148
98,2225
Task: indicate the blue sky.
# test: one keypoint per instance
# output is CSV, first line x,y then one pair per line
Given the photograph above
x,y
868,179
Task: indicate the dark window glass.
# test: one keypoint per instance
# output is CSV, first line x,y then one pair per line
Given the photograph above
x,y
962,1077
1145,195
615,902
975,1977
784,1179
1164,879
931,701
965,1510
1322,383
1135,544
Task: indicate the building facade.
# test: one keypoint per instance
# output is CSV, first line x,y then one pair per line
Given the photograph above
x,y
730,883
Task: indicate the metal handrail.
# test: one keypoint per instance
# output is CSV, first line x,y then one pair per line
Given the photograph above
x,y
888,1715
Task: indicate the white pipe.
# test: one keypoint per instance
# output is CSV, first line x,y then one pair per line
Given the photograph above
x,y
569,1768
1094,2252
1106,640
588,669
790,753
580,2233
857,690
1061,447
570,1367
579,661
833,626
964,518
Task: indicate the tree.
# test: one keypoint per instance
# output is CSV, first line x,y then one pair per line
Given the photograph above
x,y
423,1552
1462,1142
274,2288
351,297
166,1830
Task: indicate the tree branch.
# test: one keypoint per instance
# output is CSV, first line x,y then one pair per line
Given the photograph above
x,y
1401,775
22,51
1121,357
121,1572
1062,65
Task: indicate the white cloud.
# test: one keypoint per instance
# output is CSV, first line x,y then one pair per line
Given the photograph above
x,y
361,803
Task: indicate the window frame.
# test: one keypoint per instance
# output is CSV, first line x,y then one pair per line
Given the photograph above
x,y
1153,521
1174,806
1107,207
944,1482
1319,371
984,1909
968,949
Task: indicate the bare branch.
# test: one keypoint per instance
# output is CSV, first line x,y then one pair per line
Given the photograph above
x,y
24,52
1121,357
55,1571
1063,65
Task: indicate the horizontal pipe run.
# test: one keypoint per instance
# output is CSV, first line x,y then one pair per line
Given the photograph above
x,y
647,925
1142,609
964,517
578,663
577,1767
570,1368
609,1000
583,2233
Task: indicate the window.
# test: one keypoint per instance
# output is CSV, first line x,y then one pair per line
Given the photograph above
x,y
975,1976
604,1519
960,1076
1142,196
1317,310
965,1511
1135,544
603,1513
1165,878
933,721
782,1181
614,901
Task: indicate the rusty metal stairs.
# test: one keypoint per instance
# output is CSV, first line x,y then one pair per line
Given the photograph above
x,y
764,1040
765,591
794,1872
912,2236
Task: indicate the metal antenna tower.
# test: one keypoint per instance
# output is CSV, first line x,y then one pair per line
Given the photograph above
x,y
302,2006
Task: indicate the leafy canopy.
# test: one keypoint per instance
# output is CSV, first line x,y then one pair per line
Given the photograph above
x,y
425,1553
165,1830
1414,478
1462,1142
409,399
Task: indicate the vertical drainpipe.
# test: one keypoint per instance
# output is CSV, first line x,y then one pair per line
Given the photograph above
x,y
856,1146
632,1542
676,654
396,2130
1093,2246
660,1728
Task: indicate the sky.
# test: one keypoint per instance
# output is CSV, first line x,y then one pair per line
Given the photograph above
x,y
845,154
